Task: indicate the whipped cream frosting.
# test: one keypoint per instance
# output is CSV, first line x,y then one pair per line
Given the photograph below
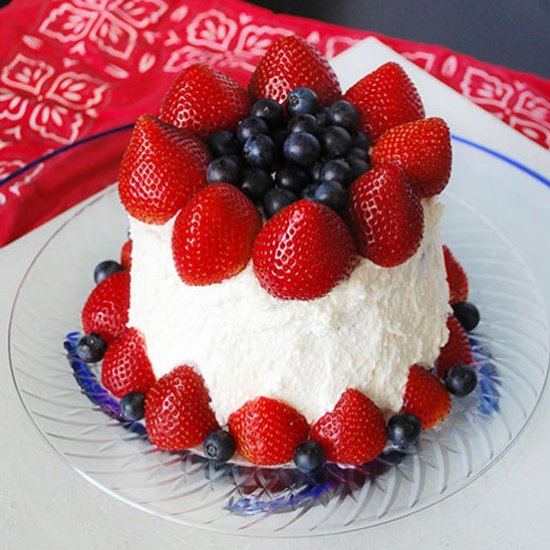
x,y
364,334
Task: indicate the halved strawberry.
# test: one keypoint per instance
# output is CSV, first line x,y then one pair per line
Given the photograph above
x,y
126,367
267,431
386,215
385,98
456,278
202,101
354,432
303,252
426,397
423,149
126,255
177,410
161,170
290,63
106,309
213,235
457,350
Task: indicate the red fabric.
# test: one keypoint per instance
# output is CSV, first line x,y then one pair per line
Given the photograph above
x,y
75,68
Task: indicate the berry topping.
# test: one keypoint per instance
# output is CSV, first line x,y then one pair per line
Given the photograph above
x,y
202,101
276,199
354,432
251,127
343,113
267,431
456,351
223,144
126,367
91,348
161,170
177,410
423,150
302,101
309,456
403,430
426,397
386,216
132,406
126,255
292,178
302,148
385,98
303,252
456,277
219,446
213,235
268,110
335,142
256,183
467,315
260,151
333,195
460,380
223,169
105,269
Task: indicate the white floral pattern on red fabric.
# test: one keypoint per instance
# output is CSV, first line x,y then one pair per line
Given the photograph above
x,y
422,59
212,30
488,90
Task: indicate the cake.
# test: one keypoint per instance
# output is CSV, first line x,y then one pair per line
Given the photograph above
x,y
285,294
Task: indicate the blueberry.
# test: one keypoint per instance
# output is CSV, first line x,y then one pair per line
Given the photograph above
x,y
358,167
251,127
304,123
335,141
223,144
224,169
309,191
276,199
270,111
260,151
91,348
361,140
278,136
460,380
403,430
315,172
467,315
333,195
219,446
357,153
301,101
323,117
106,269
343,113
256,183
302,148
309,456
337,170
132,406
292,178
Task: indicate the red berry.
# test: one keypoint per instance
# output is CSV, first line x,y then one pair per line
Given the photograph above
x,y
177,410
386,215
426,397
303,252
267,431
213,235
126,255
423,149
126,367
290,63
106,309
202,101
385,98
161,170
354,432
456,278
457,350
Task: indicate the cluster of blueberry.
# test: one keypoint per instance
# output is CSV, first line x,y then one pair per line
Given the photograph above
x,y
314,152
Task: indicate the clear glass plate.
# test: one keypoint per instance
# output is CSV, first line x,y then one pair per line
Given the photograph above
x,y
512,339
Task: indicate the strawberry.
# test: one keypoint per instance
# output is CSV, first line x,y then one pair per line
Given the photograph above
x,y
426,397
290,63
354,432
106,309
456,277
386,215
267,431
202,101
213,235
423,149
456,351
385,98
126,367
177,410
303,252
161,170
126,255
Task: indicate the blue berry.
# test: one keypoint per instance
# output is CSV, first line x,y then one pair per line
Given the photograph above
x,y
301,101
278,136
255,183
292,178
224,169
460,380
332,194
260,151
360,139
323,117
304,123
223,144
132,406
309,456
343,113
337,170
219,446
251,127
403,430
276,199
268,110
315,172
91,348
106,269
302,148
309,191
358,167
335,141
467,315
358,153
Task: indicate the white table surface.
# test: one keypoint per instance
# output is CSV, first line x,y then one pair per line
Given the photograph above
x,y
44,504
